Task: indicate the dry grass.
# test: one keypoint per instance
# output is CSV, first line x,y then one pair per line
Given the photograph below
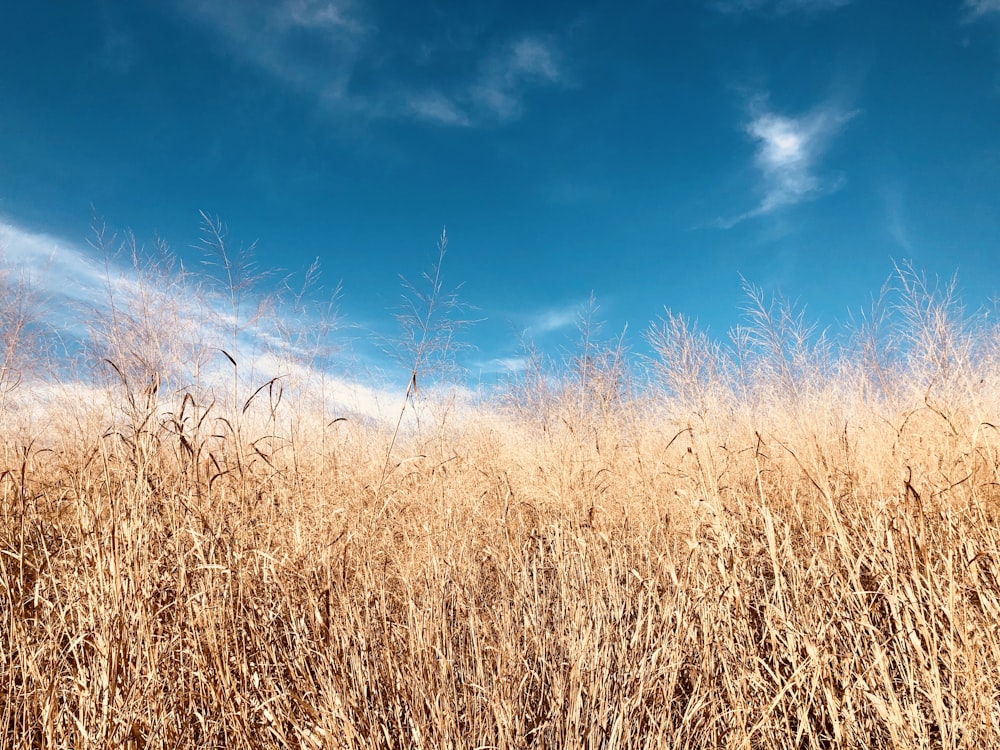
x,y
773,549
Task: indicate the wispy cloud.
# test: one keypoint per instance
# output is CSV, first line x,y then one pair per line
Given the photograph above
x,y
317,46
56,269
780,7
76,286
554,319
978,8
504,364
310,45
497,94
527,62
788,152
437,107
895,217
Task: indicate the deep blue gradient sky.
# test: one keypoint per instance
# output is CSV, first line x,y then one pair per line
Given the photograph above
x,y
651,154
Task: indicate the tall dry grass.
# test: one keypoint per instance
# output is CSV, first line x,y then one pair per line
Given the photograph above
x,y
778,543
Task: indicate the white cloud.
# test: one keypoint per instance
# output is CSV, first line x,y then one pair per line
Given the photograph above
x,y
315,46
320,14
310,45
788,151
498,92
895,217
549,321
977,8
81,288
785,155
510,364
437,107
505,77
75,285
55,268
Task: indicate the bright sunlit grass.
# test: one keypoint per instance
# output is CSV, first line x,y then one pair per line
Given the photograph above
x,y
777,542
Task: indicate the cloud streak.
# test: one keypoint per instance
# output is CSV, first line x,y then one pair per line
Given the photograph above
x,y
55,268
895,217
312,46
509,365
497,94
527,62
555,319
435,106
787,154
76,286
979,8
315,47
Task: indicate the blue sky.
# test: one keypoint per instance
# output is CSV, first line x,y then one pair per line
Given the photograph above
x,y
648,152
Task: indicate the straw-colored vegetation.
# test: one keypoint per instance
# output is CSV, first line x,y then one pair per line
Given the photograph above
x,y
776,542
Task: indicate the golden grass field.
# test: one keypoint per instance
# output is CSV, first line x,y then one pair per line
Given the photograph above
x,y
767,544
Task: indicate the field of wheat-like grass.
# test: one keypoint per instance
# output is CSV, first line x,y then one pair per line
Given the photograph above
x,y
776,543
